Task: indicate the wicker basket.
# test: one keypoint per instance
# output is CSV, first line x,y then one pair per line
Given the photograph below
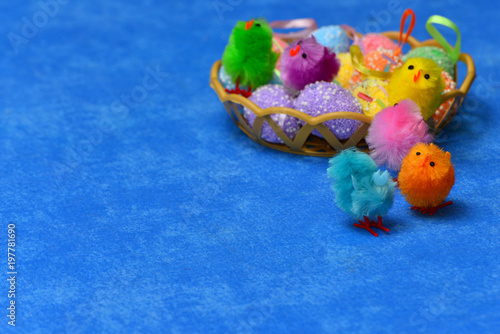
x,y
307,144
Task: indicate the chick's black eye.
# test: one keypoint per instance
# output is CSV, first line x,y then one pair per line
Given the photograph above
x,y
304,55
257,24
395,104
427,76
418,153
411,67
298,43
432,164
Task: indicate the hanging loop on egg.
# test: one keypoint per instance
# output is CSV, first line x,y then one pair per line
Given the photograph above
x,y
402,41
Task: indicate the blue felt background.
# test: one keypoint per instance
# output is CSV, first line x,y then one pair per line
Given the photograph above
x,y
164,217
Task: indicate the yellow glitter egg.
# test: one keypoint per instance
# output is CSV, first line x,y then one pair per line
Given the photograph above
x,y
372,95
348,76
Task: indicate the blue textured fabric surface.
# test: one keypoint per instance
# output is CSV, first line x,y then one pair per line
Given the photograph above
x,y
140,207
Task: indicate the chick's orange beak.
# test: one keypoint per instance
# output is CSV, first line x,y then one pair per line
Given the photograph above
x,y
249,25
293,52
416,76
424,161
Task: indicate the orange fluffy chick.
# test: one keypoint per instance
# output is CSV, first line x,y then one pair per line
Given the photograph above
x,y
426,178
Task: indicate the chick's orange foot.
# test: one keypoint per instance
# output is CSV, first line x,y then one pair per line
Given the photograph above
x,y
431,210
367,225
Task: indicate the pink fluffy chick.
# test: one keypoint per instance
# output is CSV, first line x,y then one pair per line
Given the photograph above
x,y
394,131
306,61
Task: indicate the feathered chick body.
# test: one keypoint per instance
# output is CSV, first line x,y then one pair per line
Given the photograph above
x,y
248,57
306,61
394,131
361,190
426,178
418,79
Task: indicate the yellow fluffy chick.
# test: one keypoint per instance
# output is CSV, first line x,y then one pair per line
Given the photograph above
x,y
418,79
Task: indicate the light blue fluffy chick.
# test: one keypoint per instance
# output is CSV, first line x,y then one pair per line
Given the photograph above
x,y
361,189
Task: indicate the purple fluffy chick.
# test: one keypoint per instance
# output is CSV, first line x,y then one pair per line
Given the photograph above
x,y
394,131
306,61
273,96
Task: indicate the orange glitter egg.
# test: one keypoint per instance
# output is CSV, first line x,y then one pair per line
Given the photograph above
x,y
450,85
381,58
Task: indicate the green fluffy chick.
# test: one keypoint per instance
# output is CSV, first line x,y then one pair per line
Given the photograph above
x,y
248,57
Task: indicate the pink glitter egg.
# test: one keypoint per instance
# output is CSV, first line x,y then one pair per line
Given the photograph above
x,y
371,42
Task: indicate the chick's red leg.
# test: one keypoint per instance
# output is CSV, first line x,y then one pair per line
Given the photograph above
x,y
248,93
366,225
379,224
431,210
237,90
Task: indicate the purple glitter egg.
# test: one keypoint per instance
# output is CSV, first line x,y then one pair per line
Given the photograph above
x,y
325,97
273,96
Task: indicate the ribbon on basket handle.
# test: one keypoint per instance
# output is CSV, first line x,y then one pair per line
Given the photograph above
x,y
453,52
307,25
351,32
402,41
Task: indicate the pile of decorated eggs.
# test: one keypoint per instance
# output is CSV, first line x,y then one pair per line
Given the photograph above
x,y
299,81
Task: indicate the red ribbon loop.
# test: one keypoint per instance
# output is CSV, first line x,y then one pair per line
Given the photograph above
x,y
402,41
